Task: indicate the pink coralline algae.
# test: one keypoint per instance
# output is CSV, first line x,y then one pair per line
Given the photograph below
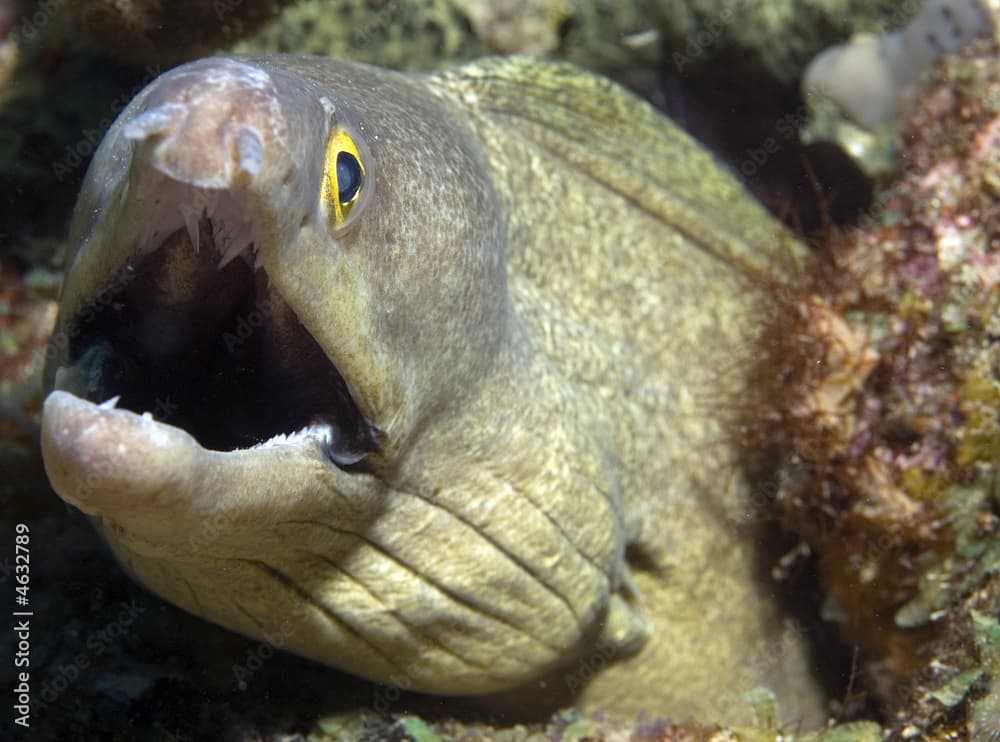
x,y
879,381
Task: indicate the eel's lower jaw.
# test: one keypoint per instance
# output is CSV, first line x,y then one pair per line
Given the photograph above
x,y
101,459
157,489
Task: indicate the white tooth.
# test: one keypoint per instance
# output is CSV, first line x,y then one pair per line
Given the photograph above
x,y
145,237
235,249
242,234
220,234
258,259
110,404
192,216
157,228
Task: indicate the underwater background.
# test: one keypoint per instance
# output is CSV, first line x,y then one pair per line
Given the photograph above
x,y
887,501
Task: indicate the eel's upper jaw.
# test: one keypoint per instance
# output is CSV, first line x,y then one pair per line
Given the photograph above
x,y
191,329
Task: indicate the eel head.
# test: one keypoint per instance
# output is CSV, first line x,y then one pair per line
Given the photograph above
x,y
285,338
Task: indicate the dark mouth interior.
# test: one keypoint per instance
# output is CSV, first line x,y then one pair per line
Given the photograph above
x,y
214,351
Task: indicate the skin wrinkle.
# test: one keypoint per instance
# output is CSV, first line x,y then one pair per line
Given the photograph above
x,y
503,550
420,575
252,618
289,584
194,596
498,476
484,464
413,629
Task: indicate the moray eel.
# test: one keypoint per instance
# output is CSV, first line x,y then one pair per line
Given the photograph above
x,y
414,376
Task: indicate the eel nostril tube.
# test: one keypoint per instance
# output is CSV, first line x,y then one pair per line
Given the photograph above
x,y
249,151
217,134
158,120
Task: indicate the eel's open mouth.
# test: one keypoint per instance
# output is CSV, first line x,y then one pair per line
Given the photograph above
x,y
192,331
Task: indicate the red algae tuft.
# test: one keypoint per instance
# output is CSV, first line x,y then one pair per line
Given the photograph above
x,y
878,382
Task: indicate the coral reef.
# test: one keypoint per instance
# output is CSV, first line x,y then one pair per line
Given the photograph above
x,y
853,90
522,26
400,35
630,41
745,31
635,42
878,378
866,76
53,113
151,31
27,316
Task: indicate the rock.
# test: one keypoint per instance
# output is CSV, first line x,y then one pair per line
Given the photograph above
x,y
886,409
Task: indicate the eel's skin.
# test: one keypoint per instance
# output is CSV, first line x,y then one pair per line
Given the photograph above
x,y
495,375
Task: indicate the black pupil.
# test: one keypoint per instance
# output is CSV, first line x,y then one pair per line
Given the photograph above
x,y
348,176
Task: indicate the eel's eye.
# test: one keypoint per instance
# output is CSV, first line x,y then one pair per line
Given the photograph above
x,y
348,179
345,187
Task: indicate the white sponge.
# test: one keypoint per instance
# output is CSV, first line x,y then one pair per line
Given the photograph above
x,y
865,77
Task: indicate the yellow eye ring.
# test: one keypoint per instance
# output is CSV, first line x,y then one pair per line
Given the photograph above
x,y
345,187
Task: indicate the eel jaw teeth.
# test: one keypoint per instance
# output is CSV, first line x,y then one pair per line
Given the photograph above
x,y
226,213
192,223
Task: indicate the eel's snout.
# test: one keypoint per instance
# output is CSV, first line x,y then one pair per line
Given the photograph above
x,y
212,125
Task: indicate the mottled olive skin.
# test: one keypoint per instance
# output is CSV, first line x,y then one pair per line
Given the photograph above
x,y
538,309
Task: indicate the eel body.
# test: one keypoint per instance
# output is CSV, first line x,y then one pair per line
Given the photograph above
x,y
414,376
